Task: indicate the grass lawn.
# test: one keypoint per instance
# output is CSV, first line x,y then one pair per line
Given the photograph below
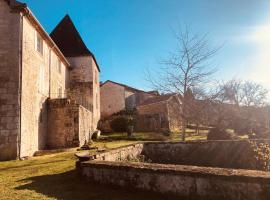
x,y
54,176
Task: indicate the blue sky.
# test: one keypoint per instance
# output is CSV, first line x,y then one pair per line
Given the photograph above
x,y
128,36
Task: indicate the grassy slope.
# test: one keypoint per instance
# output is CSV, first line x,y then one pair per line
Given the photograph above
x,y
54,176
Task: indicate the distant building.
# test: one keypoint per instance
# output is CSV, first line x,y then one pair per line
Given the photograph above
x,y
160,113
49,85
155,112
116,97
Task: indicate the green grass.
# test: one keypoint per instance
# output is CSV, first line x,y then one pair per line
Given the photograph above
x,y
54,176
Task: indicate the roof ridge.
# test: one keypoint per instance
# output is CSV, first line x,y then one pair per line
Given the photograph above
x,y
124,85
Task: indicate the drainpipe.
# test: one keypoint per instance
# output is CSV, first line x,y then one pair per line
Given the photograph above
x,y
20,83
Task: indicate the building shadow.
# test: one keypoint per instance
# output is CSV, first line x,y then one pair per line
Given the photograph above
x,y
70,186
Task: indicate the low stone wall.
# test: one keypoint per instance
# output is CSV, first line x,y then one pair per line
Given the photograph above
x,y
185,181
69,124
192,182
116,154
224,154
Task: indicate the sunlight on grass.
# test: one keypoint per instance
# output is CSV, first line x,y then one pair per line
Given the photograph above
x,y
54,176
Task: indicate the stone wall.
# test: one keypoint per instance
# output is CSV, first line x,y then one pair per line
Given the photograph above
x,y
116,154
82,93
152,117
180,181
174,114
112,99
84,70
69,124
9,82
41,79
225,154
183,181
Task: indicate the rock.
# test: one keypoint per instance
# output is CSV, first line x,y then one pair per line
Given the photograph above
x,y
96,134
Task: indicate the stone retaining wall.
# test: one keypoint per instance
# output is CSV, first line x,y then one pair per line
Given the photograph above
x,y
185,181
188,181
225,154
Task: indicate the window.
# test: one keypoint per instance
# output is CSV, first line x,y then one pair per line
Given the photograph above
x,y
39,43
59,66
59,92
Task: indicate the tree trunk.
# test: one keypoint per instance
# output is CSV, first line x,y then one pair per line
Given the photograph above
x,y
184,131
197,128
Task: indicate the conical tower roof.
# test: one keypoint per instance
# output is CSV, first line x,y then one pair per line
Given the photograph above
x,y
68,39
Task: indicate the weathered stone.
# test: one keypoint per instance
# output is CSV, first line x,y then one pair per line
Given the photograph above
x,y
186,181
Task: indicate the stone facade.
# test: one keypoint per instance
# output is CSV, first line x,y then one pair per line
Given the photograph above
x,y
33,73
68,124
41,79
164,115
9,82
85,72
116,97
112,99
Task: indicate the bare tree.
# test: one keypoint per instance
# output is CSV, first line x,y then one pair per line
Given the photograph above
x,y
187,68
239,105
253,94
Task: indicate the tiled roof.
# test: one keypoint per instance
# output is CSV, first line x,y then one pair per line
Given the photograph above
x,y
157,99
69,41
125,86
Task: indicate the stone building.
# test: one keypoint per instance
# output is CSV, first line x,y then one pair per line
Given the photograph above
x,y
49,84
160,113
154,112
116,97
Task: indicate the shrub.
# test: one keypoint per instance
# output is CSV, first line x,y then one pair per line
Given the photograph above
x,y
119,124
220,134
260,155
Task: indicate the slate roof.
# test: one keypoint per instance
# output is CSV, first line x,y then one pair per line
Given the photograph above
x,y
69,41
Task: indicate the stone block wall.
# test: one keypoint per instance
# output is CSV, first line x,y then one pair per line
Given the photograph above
x,y
112,99
82,93
180,181
9,82
235,154
152,117
69,124
84,70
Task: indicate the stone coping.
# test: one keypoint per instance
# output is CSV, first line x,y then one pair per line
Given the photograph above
x,y
86,155
204,141
236,174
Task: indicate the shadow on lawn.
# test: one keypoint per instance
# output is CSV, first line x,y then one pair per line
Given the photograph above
x,y
70,186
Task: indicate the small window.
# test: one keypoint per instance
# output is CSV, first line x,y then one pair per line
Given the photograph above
x,y
39,43
59,66
60,92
